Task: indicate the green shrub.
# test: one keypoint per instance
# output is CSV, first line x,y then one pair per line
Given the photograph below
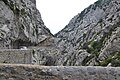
x,y
114,59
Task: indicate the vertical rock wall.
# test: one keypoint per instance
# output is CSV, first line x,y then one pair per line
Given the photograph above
x,y
21,24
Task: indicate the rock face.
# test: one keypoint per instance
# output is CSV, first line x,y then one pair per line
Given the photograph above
x,y
35,72
21,24
93,36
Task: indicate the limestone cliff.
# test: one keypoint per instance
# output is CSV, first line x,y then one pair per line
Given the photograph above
x,y
93,36
21,24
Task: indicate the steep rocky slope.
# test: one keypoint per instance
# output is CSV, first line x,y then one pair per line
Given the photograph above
x,y
21,24
93,36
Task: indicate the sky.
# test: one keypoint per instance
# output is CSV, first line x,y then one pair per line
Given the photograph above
x,y
56,14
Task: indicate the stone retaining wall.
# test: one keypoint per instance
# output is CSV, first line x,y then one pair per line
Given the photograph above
x,y
41,56
36,72
16,56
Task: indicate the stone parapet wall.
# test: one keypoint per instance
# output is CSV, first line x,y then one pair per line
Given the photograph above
x,y
38,56
16,56
36,72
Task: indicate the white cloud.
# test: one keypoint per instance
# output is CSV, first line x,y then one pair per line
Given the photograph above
x,y
56,14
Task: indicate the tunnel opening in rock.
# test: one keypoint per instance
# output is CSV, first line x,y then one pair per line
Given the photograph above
x,y
18,44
